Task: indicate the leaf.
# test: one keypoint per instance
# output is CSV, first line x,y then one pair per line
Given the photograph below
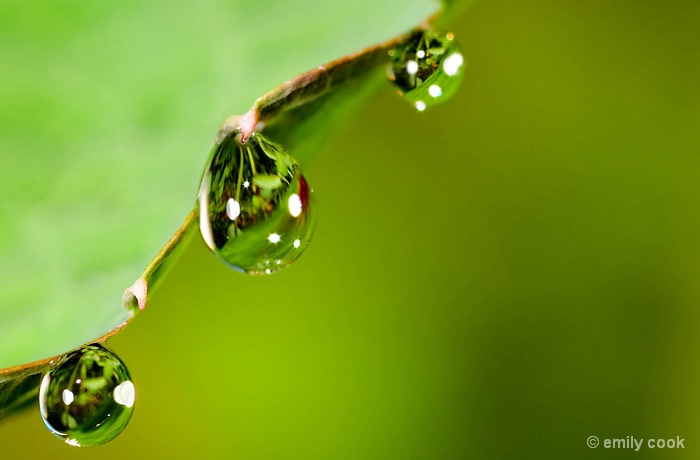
x,y
106,125
267,181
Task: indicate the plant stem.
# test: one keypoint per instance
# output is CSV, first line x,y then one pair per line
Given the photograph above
x,y
316,83
136,295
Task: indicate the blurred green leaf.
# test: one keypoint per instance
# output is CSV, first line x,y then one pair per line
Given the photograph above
x,y
107,115
543,291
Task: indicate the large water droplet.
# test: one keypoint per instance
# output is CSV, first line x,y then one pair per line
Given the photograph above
x,y
88,398
427,68
254,205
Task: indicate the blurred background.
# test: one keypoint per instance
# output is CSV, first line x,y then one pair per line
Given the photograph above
x,y
500,277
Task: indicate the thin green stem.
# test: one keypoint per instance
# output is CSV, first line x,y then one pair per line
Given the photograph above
x,y
137,294
321,81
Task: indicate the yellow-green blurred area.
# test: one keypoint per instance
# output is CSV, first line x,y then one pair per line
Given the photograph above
x,y
500,277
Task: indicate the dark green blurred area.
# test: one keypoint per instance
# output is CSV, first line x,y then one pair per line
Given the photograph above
x,y
501,277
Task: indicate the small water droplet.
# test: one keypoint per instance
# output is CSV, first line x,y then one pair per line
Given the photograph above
x,y
88,398
426,68
254,205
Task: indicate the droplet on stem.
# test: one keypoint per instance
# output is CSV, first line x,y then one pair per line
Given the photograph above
x,y
426,68
254,205
88,398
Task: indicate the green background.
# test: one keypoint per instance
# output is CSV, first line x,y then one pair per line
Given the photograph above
x,y
500,277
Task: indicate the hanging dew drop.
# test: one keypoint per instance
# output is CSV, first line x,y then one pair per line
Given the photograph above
x,y
254,205
426,68
88,398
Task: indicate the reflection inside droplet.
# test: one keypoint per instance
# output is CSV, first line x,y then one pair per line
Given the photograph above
x,y
91,409
253,204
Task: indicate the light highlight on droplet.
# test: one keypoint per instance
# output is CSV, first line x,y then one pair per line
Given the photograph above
x,y
297,243
435,90
294,205
412,67
233,209
125,394
274,238
67,397
420,106
452,64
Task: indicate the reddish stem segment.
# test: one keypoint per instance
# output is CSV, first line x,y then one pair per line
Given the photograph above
x,y
317,82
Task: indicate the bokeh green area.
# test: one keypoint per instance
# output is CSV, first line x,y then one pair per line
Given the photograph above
x,y
501,277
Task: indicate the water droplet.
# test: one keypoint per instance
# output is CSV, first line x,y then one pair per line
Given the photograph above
x,y
254,205
426,68
88,398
